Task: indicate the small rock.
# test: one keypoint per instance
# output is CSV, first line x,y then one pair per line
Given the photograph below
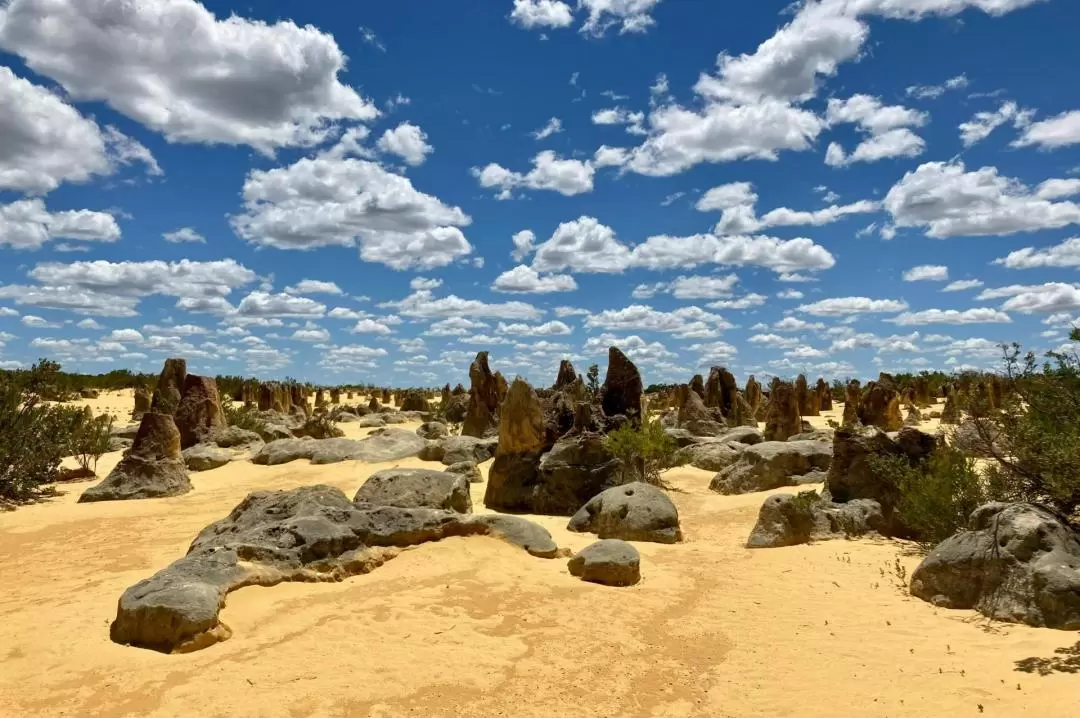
x,y
610,562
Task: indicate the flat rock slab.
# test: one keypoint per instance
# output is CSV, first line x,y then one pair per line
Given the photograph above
x,y
205,457
138,477
790,520
415,489
468,469
313,533
632,512
386,445
772,464
610,562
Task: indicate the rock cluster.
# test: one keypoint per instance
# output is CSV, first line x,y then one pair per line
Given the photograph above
x,y
152,468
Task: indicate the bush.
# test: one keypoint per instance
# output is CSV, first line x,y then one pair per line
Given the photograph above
x,y
34,437
242,417
1034,436
90,438
644,452
319,426
936,496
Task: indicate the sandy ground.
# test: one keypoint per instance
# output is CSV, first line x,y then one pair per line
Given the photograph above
x,y
475,627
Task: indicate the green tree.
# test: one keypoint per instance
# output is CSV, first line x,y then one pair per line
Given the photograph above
x,y
592,379
644,452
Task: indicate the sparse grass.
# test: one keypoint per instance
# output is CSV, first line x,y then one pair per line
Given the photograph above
x,y
644,452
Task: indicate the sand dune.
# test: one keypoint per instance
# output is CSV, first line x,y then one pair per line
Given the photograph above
x,y
473,627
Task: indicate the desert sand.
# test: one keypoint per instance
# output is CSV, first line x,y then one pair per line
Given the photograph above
x,y
475,627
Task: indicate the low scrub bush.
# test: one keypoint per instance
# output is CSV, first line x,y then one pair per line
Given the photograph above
x,y
240,416
644,452
90,438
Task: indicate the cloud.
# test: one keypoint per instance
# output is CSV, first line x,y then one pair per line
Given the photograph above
x,y
532,14
844,306
887,127
185,278
232,81
526,280
982,124
927,272
780,255
368,35
314,286
747,301
901,142
184,234
948,201
962,284
737,214
408,142
425,283
1049,297
34,322
333,199
454,327
26,224
1060,131
524,244
553,127
422,304
686,322
980,315
703,287
634,121
933,92
45,142
264,304
548,329
632,16
567,177
1066,254
582,245
774,340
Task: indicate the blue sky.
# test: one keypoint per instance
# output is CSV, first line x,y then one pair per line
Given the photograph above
x,y
372,192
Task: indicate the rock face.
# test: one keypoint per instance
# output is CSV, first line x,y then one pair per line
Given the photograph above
x,y
1016,562
742,414
432,430
312,533
415,401
852,476
567,376
782,417
142,403
806,397
610,562
170,387
513,475
622,390
753,395
772,464
880,405
824,395
199,412
152,468
696,418
977,437
709,456
468,469
204,457
950,413
632,512
482,416
456,408
384,445
789,520
697,384
416,489
852,399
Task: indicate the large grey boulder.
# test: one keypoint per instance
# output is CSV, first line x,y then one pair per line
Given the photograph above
x,y
709,456
383,445
631,512
696,418
152,468
233,437
468,469
456,449
1016,562
432,430
371,421
789,520
748,435
772,464
416,489
312,533
205,457
610,562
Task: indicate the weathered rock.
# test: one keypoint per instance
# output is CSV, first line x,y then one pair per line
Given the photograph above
x,y
204,457
753,395
199,412
371,421
414,401
773,464
880,405
814,435
631,512
312,533
567,376
977,437
142,403
1016,562
373,404
382,445
482,416
151,468
117,443
128,431
432,430
742,435
950,413
468,469
695,417
522,438
708,456
269,431
501,387
467,448
742,414
824,395
852,399
416,489
807,398
609,562
789,520
782,417
170,387
621,392
697,384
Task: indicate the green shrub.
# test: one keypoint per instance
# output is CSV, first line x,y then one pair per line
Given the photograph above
x,y
320,426
34,437
645,453
240,416
936,496
90,438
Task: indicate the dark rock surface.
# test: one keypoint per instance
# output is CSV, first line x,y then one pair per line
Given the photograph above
x,y
789,520
610,562
416,489
773,464
152,468
385,445
631,512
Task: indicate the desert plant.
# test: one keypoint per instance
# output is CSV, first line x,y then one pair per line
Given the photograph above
x,y
34,437
240,416
90,438
320,426
592,380
936,496
645,452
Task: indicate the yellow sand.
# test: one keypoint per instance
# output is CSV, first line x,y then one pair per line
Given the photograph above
x,y
475,627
